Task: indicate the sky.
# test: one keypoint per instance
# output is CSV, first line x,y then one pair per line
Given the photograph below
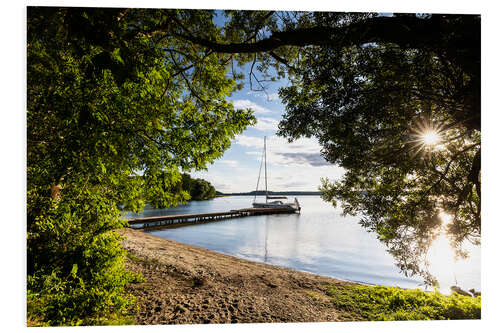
x,y
296,166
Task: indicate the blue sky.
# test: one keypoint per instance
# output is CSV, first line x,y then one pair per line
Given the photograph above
x,y
290,166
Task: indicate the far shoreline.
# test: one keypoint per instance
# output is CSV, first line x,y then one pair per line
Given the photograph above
x,y
263,193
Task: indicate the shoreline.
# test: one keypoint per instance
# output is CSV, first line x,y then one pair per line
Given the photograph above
x,y
186,284
183,224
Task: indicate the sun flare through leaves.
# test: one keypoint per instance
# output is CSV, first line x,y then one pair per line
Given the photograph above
x,y
430,138
427,137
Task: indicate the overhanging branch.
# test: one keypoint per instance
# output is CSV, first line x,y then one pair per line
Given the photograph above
x,y
406,31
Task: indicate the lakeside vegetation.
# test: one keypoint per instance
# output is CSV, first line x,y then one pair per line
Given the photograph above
x,y
185,188
389,303
114,93
198,189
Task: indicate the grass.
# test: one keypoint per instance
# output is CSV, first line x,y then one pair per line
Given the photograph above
x,y
142,261
313,295
35,319
359,302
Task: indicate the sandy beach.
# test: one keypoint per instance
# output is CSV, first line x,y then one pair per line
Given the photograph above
x,y
185,284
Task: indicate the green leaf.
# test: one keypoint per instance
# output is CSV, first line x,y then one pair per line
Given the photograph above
x,y
74,270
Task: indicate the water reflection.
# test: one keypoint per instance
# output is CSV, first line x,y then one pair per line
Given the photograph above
x,y
319,240
454,271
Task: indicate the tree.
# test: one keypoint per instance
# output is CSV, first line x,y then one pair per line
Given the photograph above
x,y
114,112
373,108
374,89
202,190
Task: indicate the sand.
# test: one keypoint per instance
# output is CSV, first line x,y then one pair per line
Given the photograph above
x,y
185,284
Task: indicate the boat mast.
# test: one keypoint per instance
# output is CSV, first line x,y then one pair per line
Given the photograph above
x,y
258,179
265,164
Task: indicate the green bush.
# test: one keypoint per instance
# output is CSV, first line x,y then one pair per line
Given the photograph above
x,y
110,123
386,303
76,274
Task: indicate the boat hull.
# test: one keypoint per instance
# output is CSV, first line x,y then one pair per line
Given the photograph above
x,y
275,204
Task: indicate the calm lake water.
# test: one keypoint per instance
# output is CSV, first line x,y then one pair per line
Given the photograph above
x,y
318,240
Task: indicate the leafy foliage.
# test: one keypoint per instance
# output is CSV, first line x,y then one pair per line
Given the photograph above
x,y
114,115
369,87
387,303
375,103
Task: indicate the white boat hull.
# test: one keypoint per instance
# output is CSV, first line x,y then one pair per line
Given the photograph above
x,y
276,204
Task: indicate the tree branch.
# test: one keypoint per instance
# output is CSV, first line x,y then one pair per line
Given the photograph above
x,y
406,31
282,60
445,172
186,80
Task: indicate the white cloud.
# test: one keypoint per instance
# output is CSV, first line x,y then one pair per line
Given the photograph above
x,y
302,152
290,166
279,144
263,95
256,153
249,141
285,177
231,163
243,180
313,159
299,177
265,123
273,97
247,104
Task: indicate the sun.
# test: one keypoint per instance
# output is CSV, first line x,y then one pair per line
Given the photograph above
x,y
426,138
430,137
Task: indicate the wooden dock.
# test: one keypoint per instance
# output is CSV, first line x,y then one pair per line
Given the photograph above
x,y
155,221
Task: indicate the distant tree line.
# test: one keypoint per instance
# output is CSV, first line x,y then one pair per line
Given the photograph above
x,y
184,187
198,189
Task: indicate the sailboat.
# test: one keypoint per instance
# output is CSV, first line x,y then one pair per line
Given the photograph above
x,y
272,201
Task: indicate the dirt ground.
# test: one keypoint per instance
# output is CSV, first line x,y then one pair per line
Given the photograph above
x,y
186,284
